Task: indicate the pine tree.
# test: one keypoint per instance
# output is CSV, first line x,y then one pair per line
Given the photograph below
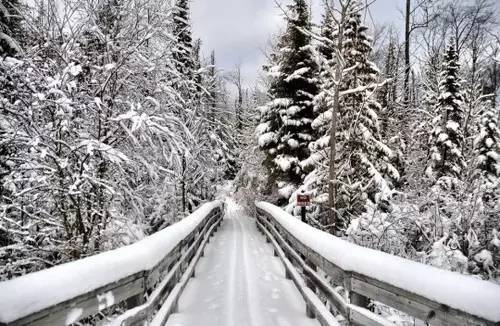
x,y
487,145
316,182
388,92
326,50
431,82
365,170
213,87
369,173
221,126
183,48
285,130
10,27
446,160
328,33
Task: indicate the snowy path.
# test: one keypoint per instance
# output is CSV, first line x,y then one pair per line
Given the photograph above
x,y
239,282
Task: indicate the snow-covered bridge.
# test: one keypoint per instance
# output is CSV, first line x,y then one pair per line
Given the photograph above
x,y
290,274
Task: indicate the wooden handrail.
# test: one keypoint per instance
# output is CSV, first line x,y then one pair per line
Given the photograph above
x,y
348,290
145,275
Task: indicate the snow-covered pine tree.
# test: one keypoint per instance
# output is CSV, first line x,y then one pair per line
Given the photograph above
x,y
388,92
316,182
328,33
431,80
446,161
220,124
487,150
365,172
196,173
420,121
487,145
285,130
10,27
213,86
368,173
183,48
197,67
326,62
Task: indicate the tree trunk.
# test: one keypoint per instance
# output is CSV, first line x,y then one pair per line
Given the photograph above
x,y
407,53
472,85
332,184
495,83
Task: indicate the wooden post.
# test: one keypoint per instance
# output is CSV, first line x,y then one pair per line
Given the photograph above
x,y
310,284
354,298
303,214
183,183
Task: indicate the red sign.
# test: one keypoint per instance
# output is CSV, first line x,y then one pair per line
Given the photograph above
x,y
303,200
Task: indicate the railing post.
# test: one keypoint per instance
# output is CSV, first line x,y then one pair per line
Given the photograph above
x,y
310,284
269,223
259,223
353,297
217,224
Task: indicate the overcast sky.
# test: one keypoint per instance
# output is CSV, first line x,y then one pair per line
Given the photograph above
x,y
238,30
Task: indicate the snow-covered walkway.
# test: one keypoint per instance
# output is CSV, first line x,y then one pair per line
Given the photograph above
x,y
239,282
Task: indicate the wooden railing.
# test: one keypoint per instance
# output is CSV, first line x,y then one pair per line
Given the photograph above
x,y
332,285
147,278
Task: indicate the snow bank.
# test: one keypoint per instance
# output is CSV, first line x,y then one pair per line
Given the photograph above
x,y
462,292
33,292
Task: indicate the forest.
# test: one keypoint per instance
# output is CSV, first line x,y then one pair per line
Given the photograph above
x,y
396,140
114,125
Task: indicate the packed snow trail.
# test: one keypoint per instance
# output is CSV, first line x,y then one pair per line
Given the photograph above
x,y
239,282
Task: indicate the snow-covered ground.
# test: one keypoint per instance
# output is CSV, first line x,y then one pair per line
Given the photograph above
x,y
239,282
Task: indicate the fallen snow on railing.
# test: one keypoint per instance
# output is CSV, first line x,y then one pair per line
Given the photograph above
x,y
462,292
34,292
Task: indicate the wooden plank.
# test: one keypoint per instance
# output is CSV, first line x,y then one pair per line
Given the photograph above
x,y
414,305
361,317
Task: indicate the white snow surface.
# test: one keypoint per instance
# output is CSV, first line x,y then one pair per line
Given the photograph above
x,y
239,282
462,292
33,292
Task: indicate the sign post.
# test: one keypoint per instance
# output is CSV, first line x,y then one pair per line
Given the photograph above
x,y
303,200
